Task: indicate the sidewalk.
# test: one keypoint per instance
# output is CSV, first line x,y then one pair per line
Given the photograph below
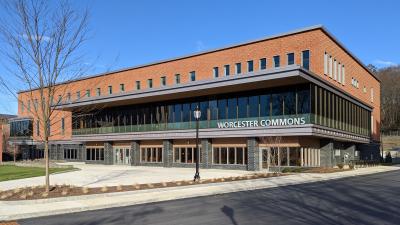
x,y
44,207
90,175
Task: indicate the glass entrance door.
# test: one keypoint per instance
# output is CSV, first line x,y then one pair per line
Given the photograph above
x,y
122,156
265,158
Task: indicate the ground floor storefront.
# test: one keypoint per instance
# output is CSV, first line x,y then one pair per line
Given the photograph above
x,y
247,153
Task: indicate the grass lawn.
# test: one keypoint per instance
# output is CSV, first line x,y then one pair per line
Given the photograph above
x,y
10,172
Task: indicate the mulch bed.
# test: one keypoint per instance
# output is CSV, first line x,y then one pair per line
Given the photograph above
x,y
38,192
325,170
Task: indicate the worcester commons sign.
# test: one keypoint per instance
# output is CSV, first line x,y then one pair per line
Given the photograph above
x,y
263,123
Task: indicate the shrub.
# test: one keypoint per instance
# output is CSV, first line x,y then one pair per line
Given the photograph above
x,y
340,165
293,170
85,190
351,166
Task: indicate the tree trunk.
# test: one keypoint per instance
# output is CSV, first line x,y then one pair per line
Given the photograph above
x,y
46,157
15,146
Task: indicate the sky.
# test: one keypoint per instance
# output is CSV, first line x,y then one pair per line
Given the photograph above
x,y
127,33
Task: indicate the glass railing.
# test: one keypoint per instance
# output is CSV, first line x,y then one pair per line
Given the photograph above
x,y
289,120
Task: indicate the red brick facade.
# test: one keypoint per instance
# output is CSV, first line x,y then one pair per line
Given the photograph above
x,y
316,40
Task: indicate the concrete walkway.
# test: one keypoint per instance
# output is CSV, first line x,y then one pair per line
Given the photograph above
x,y
35,208
91,175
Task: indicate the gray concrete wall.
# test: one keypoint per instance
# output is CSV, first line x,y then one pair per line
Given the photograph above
x,y
167,153
253,154
327,153
108,154
135,153
206,153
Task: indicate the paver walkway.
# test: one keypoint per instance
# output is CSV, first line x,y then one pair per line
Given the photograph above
x,y
111,175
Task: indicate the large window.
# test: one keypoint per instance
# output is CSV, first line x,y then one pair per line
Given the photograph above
x,y
280,101
70,154
227,70
192,76
177,78
137,85
232,108
163,81
334,111
277,61
306,59
230,155
185,154
277,104
21,128
215,72
263,64
242,109
151,154
250,66
150,83
238,68
94,154
290,58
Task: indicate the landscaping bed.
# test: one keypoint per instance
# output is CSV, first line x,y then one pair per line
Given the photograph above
x,y
12,172
38,192
313,170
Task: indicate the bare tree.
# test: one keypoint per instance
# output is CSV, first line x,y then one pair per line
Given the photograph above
x,y
273,153
42,48
390,97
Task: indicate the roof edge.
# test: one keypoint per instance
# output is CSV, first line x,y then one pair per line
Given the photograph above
x,y
301,30
297,31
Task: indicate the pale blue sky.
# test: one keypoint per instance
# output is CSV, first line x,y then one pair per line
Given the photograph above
x,y
128,33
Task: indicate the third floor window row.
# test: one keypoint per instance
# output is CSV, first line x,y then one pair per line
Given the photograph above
x,y
226,71
334,69
263,63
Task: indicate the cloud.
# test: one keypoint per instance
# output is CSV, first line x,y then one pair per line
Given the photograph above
x,y
43,38
200,46
385,63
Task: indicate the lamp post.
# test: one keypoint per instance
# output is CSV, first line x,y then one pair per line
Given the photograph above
x,y
197,115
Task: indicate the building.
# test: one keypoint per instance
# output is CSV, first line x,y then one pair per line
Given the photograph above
x,y
294,99
4,136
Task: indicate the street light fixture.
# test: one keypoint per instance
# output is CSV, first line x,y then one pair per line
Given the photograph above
x,y
197,115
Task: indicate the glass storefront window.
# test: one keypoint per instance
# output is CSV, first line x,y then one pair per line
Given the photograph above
x,y
230,155
216,156
232,108
222,103
239,155
185,155
265,105
224,155
213,110
204,110
177,113
149,154
242,107
289,103
277,104
253,106
283,156
303,101
294,156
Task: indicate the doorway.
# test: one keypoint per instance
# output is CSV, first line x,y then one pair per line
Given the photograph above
x,y
265,158
122,155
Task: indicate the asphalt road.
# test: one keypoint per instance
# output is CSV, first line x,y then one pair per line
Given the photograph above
x,y
371,199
